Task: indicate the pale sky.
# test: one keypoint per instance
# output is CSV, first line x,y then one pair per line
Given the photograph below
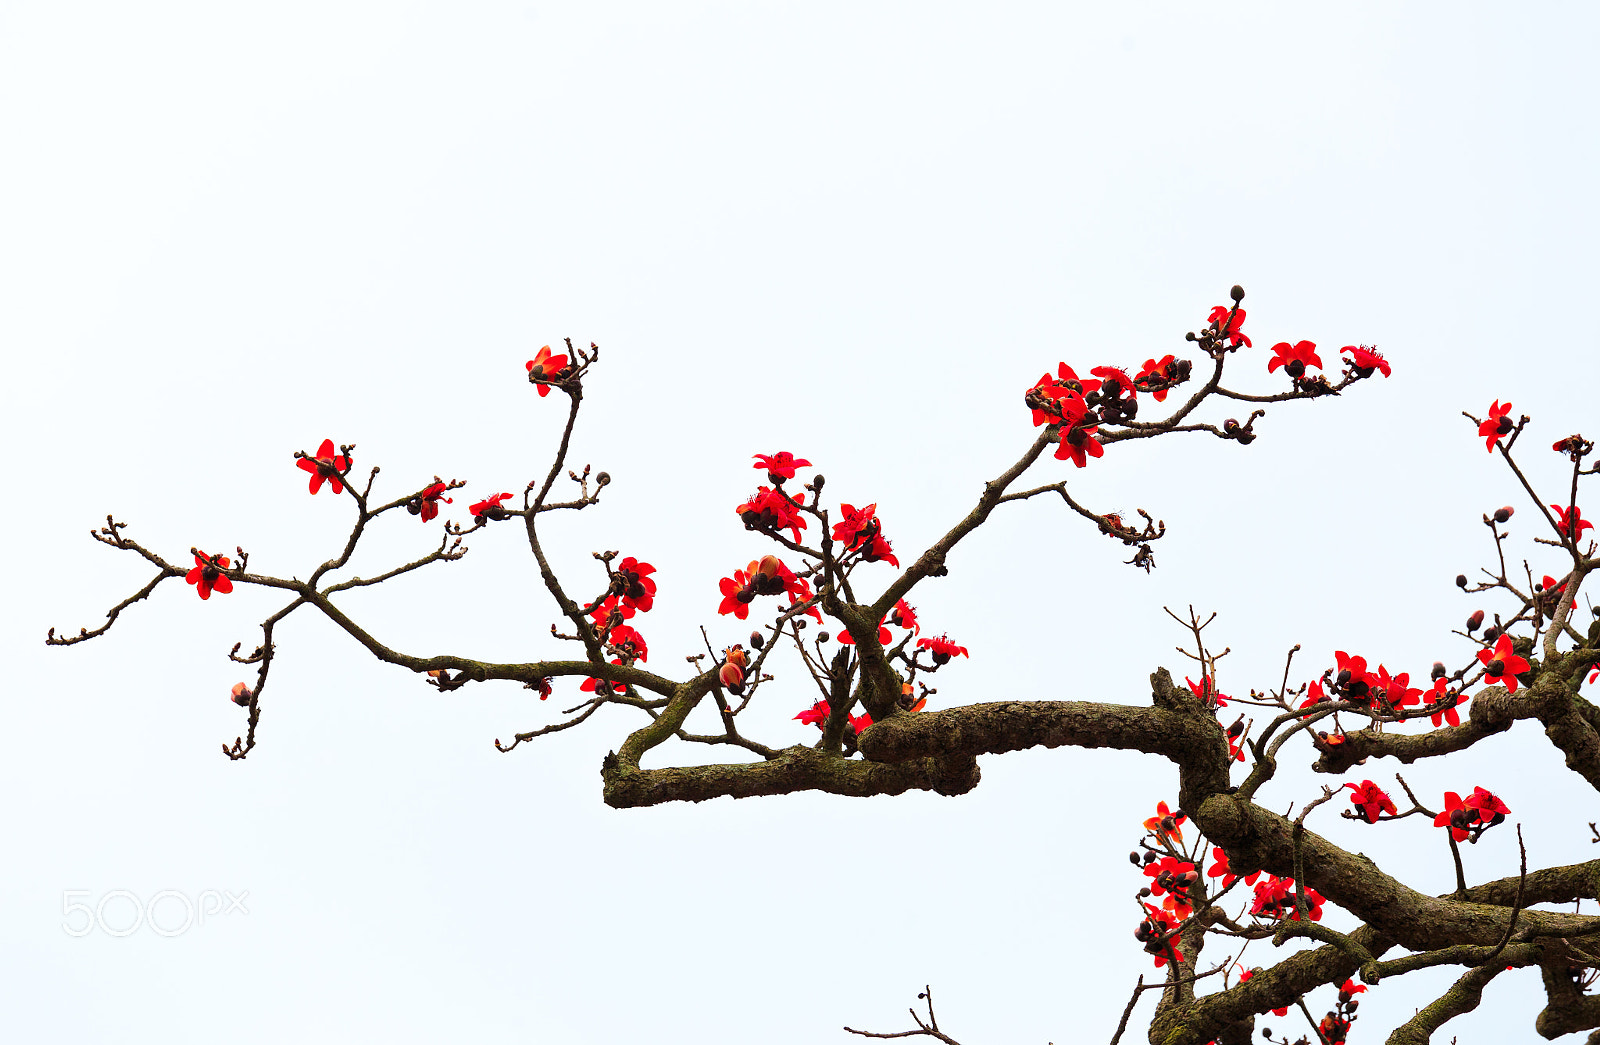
x,y
857,232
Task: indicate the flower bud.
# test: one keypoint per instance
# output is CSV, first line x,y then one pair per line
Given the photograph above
x,y
1237,294
1438,670
1461,580
602,479
1133,858
756,640
1504,513
823,637
242,694
1475,621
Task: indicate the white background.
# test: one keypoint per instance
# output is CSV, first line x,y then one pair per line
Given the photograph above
x,y
856,232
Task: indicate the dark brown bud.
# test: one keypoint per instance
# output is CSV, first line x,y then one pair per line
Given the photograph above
x,y
756,641
1438,670
1475,621
1461,580
602,479
1502,514
1237,294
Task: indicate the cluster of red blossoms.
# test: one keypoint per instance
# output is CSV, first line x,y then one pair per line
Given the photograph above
x,y
768,576
1275,899
861,530
1469,819
817,715
772,510
1388,694
630,590
1077,406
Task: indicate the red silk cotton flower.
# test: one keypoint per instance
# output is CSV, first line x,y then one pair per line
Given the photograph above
x,y
1481,811
1371,800
1440,694
1496,425
1205,691
1275,898
1078,443
207,577
817,715
1294,358
1570,518
1502,665
1116,381
1157,934
773,510
489,507
1053,401
862,529
884,636
545,368
1228,321
904,616
942,649
629,643
1156,368
325,467
1366,360
1221,870
779,466
426,504
769,576
1490,809
634,584
1166,825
